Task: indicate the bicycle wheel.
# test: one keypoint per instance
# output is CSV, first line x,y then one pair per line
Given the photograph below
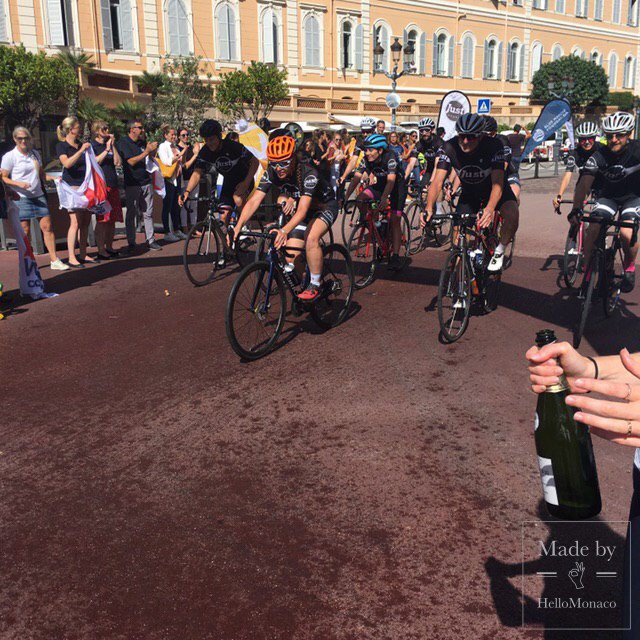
x,y
248,249
350,216
337,288
572,259
588,284
255,310
454,297
201,252
405,242
441,229
414,215
490,285
363,251
614,276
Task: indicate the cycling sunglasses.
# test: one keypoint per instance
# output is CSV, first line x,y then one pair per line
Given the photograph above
x,y
589,139
284,164
611,136
469,136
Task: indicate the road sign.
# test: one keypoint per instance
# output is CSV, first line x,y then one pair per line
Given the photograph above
x,y
484,106
393,100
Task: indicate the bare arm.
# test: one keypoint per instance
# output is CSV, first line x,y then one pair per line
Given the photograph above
x,y
6,179
351,165
434,189
410,166
355,181
70,161
583,188
250,208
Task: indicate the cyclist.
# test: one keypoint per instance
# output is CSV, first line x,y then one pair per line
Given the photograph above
x,y
305,195
587,134
428,145
367,125
512,168
386,186
229,158
616,167
479,162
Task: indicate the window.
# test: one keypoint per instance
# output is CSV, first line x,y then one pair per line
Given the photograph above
x,y
60,20
178,26
616,11
359,47
492,59
117,25
540,4
598,9
560,6
629,79
515,61
594,57
443,54
346,45
632,13
270,37
467,57
4,20
226,30
311,27
381,37
557,52
613,70
582,8
536,58
412,37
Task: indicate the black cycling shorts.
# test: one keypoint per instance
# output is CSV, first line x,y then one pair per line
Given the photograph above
x,y
327,212
229,186
472,203
608,207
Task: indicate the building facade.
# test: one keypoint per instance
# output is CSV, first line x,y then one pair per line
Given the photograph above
x,y
487,48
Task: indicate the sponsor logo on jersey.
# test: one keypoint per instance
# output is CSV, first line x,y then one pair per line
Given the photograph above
x,y
224,164
473,174
310,182
615,173
392,164
591,163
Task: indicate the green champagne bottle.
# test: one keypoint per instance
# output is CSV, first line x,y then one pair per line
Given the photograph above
x,y
565,453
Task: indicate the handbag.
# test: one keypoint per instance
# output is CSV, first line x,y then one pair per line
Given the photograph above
x,y
168,170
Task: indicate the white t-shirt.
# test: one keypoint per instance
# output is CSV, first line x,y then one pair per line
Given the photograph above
x,y
24,168
165,153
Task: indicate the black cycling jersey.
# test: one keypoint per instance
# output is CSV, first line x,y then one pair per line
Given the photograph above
x,y
385,165
306,180
579,156
474,169
618,174
231,158
429,149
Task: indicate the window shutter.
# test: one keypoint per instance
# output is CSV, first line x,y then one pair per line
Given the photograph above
x,y
316,43
585,12
56,25
4,36
231,21
466,61
435,54
126,26
384,38
308,42
267,36
174,40
521,70
616,10
510,70
452,57
422,55
500,55
359,48
107,33
223,33
68,23
485,67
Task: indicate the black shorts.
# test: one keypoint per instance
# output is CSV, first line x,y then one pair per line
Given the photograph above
x,y
608,207
229,186
473,203
397,198
327,212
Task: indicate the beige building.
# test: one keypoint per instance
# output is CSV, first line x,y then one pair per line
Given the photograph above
x,y
487,48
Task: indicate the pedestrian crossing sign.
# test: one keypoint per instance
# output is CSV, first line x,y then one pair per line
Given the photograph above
x,y
484,106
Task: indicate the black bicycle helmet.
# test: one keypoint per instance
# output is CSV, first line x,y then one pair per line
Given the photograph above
x,y
470,123
490,124
210,128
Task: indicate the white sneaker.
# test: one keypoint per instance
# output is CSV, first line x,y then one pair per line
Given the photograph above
x,y
573,252
496,262
58,265
171,237
460,303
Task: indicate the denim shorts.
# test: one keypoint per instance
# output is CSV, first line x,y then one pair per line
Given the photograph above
x,y
29,208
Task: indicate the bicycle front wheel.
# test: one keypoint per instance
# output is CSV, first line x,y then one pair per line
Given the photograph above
x,y
256,310
454,297
417,238
441,229
572,258
248,248
614,277
405,242
588,285
334,303
363,250
350,217
201,252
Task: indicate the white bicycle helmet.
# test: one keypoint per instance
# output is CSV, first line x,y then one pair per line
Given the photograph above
x,y
587,130
368,123
426,123
618,122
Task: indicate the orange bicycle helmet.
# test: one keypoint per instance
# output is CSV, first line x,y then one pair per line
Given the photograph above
x,y
281,148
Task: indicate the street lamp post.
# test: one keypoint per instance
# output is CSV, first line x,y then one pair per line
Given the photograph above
x,y
395,75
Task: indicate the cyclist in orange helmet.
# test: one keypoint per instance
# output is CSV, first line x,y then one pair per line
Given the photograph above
x,y
307,198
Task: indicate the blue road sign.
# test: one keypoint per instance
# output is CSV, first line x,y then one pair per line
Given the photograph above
x,y
484,106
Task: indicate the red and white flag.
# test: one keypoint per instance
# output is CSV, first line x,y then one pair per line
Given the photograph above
x,y
91,194
157,180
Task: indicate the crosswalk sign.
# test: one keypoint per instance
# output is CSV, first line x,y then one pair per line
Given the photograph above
x,y
484,106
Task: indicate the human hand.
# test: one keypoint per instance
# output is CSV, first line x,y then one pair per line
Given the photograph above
x,y
151,147
547,364
486,219
280,239
289,206
85,146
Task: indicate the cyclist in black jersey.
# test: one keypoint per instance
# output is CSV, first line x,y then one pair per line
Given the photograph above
x,y
386,186
513,177
428,145
367,125
479,162
616,166
230,159
305,195
587,134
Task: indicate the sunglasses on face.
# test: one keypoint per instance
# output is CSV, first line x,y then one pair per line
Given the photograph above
x,y
591,140
184,135
469,136
279,166
611,136
22,138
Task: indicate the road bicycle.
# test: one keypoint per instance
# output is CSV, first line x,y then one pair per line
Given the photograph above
x,y
371,243
573,258
208,248
604,271
437,229
465,280
257,304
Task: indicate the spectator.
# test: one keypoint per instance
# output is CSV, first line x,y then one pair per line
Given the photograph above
x,y
137,183
336,159
234,135
72,156
171,157
188,159
395,146
22,171
516,141
440,131
107,155
380,127
320,152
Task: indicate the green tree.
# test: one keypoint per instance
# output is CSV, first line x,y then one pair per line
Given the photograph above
x,y
152,82
130,110
185,96
253,93
31,85
590,82
621,99
77,62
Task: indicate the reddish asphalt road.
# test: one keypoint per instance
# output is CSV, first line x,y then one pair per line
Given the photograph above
x,y
351,485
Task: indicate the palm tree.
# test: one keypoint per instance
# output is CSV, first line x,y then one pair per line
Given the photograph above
x,y
129,110
79,62
90,110
152,82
